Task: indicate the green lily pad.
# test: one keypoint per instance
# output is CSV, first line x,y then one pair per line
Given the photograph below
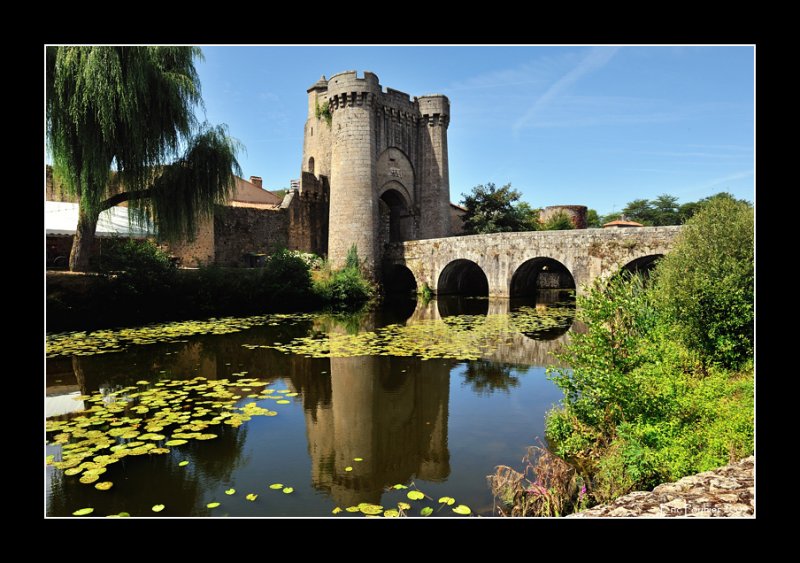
x,y
415,495
348,468
212,505
89,478
157,507
403,505
183,463
399,486
276,486
462,509
391,513
251,496
427,511
288,490
352,509
367,508
336,510
282,402
174,442
83,511
72,471
103,486
230,491
449,501
358,459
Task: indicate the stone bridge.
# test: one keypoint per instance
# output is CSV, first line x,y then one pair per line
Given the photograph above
x,y
519,264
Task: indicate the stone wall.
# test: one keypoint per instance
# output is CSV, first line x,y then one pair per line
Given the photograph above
x,y
198,251
308,211
242,230
727,491
576,213
586,253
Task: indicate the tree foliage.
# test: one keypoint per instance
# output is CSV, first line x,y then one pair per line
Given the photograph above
x,y
706,283
496,210
664,210
560,221
127,114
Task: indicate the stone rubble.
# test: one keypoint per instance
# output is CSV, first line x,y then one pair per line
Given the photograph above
x,y
727,491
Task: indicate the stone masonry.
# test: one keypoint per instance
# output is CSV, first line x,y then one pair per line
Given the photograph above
x,y
384,156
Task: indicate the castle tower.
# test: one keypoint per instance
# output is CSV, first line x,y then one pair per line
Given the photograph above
x,y
383,156
434,174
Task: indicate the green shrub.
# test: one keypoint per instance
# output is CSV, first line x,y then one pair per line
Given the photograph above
x,y
130,255
558,222
705,284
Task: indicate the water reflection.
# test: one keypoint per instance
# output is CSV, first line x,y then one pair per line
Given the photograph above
x,y
394,412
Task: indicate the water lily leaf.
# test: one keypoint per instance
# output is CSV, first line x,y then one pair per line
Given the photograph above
x,y
157,507
251,496
212,505
276,486
358,459
399,486
348,468
103,486
403,505
288,490
352,509
183,463
72,471
415,495
142,382
83,511
174,442
462,509
89,478
449,501
282,402
336,510
427,511
230,491
367,508
391,513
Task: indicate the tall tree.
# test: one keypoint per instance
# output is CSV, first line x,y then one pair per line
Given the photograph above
x,y
495,210
666,210
639,210
127,114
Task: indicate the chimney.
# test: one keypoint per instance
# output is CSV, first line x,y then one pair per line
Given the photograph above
x,y
256,180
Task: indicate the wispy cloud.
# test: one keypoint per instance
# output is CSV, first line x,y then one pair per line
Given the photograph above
x,y
596,59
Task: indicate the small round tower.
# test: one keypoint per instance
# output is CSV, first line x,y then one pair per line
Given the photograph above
x,y
434,222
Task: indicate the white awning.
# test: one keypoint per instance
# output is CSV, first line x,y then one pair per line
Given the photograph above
x,y
61,218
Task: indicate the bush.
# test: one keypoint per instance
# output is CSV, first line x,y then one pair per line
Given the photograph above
x,y
130,255
558,222
706,283
347,288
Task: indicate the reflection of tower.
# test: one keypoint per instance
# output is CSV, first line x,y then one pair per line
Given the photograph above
x,y
392,413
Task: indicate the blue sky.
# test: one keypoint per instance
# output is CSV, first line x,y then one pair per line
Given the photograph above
x,y
582,125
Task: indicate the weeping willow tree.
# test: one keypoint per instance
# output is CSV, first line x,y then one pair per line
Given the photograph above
x,y
121,128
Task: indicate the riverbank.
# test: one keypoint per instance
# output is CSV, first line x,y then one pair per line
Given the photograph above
x,y
148,291
728,491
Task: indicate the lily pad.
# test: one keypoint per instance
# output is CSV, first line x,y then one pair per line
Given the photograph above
x,y
83,511
212,505
103,486
367,508
276,486
449,501
399,486
183,463
415,495
352,509
157,507
403,505
282,402
391,513
336,510
462,509
251,496
427,511
288,490
230,491
174,442
358,459
348,468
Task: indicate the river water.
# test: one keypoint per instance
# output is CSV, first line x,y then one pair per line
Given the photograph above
x,y
345,429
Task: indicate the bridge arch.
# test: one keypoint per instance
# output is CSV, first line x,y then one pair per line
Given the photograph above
x,y
398,279
462,277
540,273
643,264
